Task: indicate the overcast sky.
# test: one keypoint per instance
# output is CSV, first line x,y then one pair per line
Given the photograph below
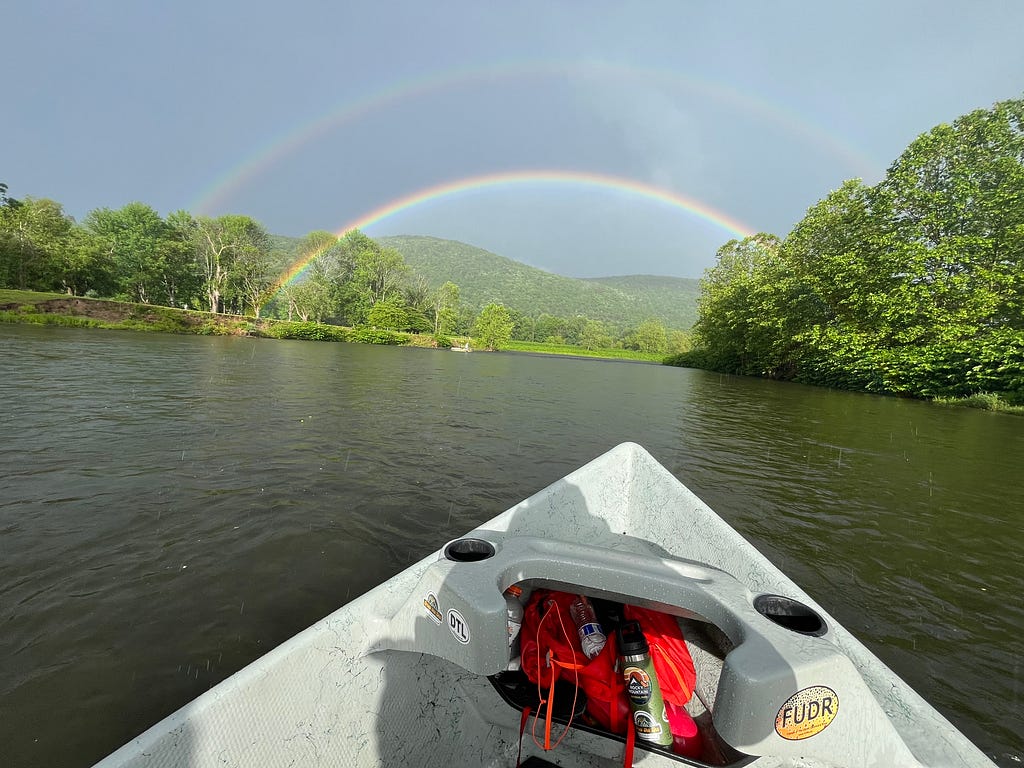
x,y
312,115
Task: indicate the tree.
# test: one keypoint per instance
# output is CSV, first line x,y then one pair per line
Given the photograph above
x,y
136,243
730,327
182,283
251,276
390,313
493,327
445,308
34,235
914,286
216,244
379,272
594,336
649,336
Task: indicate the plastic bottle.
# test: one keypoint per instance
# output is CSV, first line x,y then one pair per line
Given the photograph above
x,y
650,720
514,612
592,637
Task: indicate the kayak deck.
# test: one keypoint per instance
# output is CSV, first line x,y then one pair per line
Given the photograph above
x,y
402,675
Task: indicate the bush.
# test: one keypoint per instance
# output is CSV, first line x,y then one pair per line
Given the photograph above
x,y
376,336
211,328
308,331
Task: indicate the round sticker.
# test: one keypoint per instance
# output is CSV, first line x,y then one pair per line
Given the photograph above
x,y
457,624
807,712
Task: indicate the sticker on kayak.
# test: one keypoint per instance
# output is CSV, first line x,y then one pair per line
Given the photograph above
x,y
807,712
458,626
433,610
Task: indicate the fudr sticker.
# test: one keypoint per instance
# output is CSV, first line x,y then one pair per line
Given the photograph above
x,y
807,712
433,610
458,626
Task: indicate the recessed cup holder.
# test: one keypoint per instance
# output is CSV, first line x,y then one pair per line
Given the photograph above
x,y
469,550
790,614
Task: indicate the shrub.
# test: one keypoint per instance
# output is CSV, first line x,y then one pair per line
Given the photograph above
x,y
308,331
376,336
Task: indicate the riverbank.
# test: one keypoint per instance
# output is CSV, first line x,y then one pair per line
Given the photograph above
x,y
79,312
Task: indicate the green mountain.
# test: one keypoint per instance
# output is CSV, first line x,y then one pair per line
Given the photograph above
x,y
484,277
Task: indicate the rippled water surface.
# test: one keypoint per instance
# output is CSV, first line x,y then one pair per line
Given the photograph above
x,y
173,507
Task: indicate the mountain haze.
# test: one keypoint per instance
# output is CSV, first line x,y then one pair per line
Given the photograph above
x,y
485,277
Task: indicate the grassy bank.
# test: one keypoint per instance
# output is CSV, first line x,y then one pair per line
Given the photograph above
x,y
568,349
77,312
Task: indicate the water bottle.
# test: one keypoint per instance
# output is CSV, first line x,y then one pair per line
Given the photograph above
x,y
592,637
514,612
650,720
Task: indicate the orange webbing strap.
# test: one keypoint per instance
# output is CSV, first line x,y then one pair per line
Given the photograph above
x,y
549,701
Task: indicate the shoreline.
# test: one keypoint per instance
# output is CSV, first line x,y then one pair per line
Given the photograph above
x,y
35,308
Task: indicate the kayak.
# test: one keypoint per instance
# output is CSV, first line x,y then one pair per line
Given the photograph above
x,y
420,671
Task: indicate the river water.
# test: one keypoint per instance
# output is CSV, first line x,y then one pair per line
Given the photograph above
x,y
172,507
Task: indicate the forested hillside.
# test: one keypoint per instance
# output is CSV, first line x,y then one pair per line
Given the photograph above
x,y
484,277
913,286
674,299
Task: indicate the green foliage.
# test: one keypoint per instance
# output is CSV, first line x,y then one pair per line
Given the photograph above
x,y
39,318
649,336
911,287
986,401
308,331
134,242
390,313
376,336
493,327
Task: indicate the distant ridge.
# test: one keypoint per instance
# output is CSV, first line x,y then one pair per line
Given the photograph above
x,y
484,277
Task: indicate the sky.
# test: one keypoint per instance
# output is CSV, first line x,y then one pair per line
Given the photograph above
x,y
585,138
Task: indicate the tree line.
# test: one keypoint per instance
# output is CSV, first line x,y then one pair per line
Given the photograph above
x,y
230,264
913,286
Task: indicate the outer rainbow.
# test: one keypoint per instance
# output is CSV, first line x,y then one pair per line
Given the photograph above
x,y
646,191
280,146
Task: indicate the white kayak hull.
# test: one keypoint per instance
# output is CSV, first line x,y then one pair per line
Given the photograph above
x,y
400,676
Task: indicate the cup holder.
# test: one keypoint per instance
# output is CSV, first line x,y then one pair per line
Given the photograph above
x,y
790,614
469,550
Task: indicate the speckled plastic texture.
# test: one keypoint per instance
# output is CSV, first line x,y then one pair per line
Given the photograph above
x,y
398,676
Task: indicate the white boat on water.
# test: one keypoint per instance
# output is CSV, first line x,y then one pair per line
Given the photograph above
x,y
415,672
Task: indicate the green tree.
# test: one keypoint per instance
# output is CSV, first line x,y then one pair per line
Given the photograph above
x,y
594,335
493,327
135,240
649,336
182,283
216,243
913,286
391,313
730,328
251,274
34,236
445,308
318,294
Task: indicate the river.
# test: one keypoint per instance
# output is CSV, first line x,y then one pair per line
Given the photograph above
x,y
172,507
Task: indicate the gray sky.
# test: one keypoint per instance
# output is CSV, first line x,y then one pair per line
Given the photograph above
x,y
313,115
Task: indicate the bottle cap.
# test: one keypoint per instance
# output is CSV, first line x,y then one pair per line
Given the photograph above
x,y
631,639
